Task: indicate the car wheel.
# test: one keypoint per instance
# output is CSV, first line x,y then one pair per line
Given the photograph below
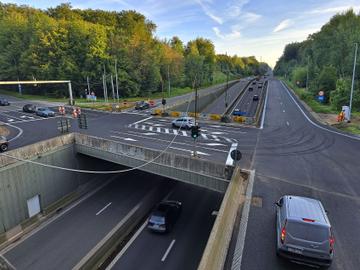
x,y
3,147
173,125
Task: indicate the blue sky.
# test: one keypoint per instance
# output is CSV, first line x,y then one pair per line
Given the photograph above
x,y
243,27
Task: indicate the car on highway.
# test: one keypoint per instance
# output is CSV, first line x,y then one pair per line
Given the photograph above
x,y
4,102
183,122
4,144
164,216
255,97
238,112
303,231
29,108
250,88
45,112
142,105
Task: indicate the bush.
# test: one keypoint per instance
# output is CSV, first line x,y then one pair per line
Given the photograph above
x,y
341,96
299,74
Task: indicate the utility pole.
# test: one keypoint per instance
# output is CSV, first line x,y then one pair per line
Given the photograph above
x,y
116,81
168,73
196,124
88,85
105,87
227,86
307,75
112,87
353,79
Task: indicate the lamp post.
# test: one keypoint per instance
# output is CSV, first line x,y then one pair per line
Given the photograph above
x,y
352,83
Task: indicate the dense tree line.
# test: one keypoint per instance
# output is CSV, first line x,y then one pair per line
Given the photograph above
x,y
74,44
325,60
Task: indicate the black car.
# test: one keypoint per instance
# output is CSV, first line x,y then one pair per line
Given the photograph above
x,y
250,88
4,144
255,97
163,218
4,102
29,108
142,105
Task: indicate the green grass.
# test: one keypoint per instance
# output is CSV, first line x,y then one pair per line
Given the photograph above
x,y
309,99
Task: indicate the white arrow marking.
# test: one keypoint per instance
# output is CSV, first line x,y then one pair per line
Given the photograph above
x,y
125,139
130,139
213,144
11,120
23,116
192,152
158,125
150,134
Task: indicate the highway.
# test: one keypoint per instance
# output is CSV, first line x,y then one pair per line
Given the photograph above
x,y
183,246
293,156
67,238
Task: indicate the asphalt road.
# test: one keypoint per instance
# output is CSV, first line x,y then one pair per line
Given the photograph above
x,y
218,106
246,103
293,156
189,235
62,243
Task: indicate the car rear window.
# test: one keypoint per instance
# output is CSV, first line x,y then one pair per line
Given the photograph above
x,y
308,231
157,219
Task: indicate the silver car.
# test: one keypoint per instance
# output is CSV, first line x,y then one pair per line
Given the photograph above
x,y
183,122
303,231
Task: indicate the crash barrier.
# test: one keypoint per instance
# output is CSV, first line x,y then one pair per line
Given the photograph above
x,y
215,253
260,108
231,105
96,257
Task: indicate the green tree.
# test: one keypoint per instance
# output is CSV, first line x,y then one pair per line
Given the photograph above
x,y
299,76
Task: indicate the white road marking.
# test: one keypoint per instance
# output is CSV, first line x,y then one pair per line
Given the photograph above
x,y
143,120
283,110
103,209
217,132
9,265
122,138
166,130
10,120
204,136
287,123
229,160
191,151
18,135
136,126
184,133
143,127
228,140
240,242
214,213
175,132
149,134
151,128
216,138
158,125
215,126
316,125
168,250
130,139
158,129
213,144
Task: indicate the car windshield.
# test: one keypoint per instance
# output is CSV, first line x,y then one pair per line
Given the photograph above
x,y
308,231
157,219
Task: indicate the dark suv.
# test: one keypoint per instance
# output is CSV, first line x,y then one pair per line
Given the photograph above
x,y
142,105
4,144
163,218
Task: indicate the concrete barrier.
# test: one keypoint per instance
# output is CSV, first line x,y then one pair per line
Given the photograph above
x,y
216,249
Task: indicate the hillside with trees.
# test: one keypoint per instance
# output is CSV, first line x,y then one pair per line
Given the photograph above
x,y
326,60
76,45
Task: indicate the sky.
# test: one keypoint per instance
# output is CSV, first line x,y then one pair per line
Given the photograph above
x,y
244,27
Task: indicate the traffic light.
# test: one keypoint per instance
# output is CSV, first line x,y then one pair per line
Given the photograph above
x,y
163,101
195,132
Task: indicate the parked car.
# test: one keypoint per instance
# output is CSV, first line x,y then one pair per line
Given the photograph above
x,y
183,122
164,217
255,97
250,88
142,105
45,112
4,102
29,108
303,231
4,144
238,112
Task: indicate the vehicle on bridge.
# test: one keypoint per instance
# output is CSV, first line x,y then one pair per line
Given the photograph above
x,y
250,88
4,102
142,105
238,112
4,144
183,122
29,108
303,231
163,218
255,97
45,112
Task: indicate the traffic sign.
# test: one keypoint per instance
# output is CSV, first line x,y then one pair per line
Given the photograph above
x,y
236,155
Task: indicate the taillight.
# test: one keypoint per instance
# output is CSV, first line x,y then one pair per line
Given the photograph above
x,y
332,242
283,234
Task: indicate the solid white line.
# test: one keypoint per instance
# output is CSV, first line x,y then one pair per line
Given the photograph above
x,y
18,135
240,242
313,123
142,120
265,105
168,250
8,263
125,248
103,209
229,160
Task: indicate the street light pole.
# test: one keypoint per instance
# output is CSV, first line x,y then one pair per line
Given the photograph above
x,y
353,79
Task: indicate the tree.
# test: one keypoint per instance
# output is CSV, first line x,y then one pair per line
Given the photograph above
x,y
299,76
327,80
341,96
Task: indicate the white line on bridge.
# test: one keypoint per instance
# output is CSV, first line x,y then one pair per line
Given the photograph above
x,y
143,120
103,209
168,250
265,105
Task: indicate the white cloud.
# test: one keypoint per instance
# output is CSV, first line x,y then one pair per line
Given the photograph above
x,y
283,25
332,10
209,13
250,17
231,36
